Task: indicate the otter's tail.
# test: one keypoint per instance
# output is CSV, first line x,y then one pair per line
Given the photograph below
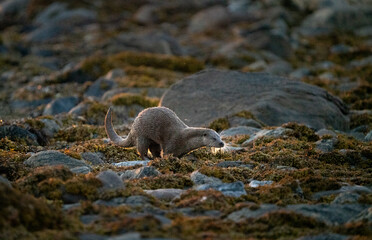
x,y
114,137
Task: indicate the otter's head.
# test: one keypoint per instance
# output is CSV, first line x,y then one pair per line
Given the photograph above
x,y
212,139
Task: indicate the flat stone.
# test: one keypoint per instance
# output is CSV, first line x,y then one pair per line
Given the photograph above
x,y
131,163
198,179
246,213
346,198
81,170
355,188
99,87
146,171
209,19
53,158
275,133
326,145
5,181
60,105
92,158
235,189
166,194
137,200
256,183
15,133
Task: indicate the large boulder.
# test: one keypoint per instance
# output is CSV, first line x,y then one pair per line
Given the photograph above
x,y
211,94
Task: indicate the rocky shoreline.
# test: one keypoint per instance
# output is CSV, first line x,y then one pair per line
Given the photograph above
x,y
287,84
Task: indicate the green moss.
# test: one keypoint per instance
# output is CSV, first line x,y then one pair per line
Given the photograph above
x,y
220,124
361,119
164,181
218,172
301,132
85,185
80,133
96,65
173,165
313,184
35,123
11,164
96,113
347,142
127,99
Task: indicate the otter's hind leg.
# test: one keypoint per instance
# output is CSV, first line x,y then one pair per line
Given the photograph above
x,y
143,145
155,150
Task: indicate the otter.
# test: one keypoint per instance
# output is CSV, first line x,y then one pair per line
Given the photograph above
x,y
160,130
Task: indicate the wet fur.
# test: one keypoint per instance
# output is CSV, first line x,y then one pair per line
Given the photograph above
x,y
159,130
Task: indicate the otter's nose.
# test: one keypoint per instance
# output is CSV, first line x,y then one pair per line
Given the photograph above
x,y
221,144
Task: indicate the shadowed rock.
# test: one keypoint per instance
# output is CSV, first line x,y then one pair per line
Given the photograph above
x,y
53,158
211,94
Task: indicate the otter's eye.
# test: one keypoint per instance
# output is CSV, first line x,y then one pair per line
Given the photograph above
x,y
204,134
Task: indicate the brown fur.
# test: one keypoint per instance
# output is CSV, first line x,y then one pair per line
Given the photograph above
x,y
159,129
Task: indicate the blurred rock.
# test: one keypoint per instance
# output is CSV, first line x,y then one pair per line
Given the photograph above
x,y
52,158
235,189
10,11
93,158
167,194
275,133
15,133
325,236
146,14
5,181
209,19
198,179
326,145
81,170
256,183
147,171
323,132
300,73
271,99
242,130
131,163
110,180
246,213
227,164
99,87
60,105
368,137
346,197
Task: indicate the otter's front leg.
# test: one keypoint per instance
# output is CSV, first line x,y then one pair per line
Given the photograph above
x,y
143,145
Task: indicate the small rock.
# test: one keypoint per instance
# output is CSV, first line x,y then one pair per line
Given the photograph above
x,y
53,158
241,130
286,168
323,132
227,164
5,181
235,189
198,179
368,137
209,19
275,133
365,216
146,14
282,68
126,236
115,73
131,163
92,158
91,236
362,62
326,145
99,87
256,183
246,213
15,133
80,109
355,188
81,170
114,202
11,8
110,180
137,200
341,49
51,127
60,105
346,197
300,73
89,218
146,171
166,194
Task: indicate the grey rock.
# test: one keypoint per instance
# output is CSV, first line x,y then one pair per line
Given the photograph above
x,y
227,164
198,179
346,197
151,92
286,168
79,109
282,68
70,206
137,200
51,127
153,42
146,14
53,158
5,181
361,62
60,105
350,189
241,130
256,183
91,236
99,87
126,236
114,202
274,133
330,214
81,170
89,218
239,121
93,158
12,8
110,180
14,133
300,73
209,19
131,163
364,31
235,189
50,12
325,236
341,49
326,145
323,132
114,74
146,171
368,137
62,22
255,92
166,194
343,18
246,213
365,215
